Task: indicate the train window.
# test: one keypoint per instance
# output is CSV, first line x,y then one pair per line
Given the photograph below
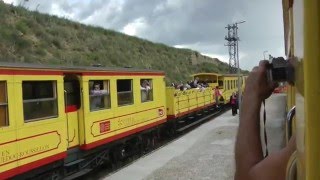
x,y
4,120
125,92
39,100
220,83
146,90
99,95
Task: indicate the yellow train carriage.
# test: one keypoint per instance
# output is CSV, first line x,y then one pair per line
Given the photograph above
x,y
32,127
127,107
46,114
180,103
302,39
228,84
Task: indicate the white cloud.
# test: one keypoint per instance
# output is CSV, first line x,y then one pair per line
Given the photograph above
x,y
207,50
135,27
15,2
58,11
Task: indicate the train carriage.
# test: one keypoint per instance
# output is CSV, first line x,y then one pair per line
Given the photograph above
x,y
227,83
302,38
53,116
182,103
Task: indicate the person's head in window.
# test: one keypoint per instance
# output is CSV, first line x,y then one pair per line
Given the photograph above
x,y
96,89
96,86
144,83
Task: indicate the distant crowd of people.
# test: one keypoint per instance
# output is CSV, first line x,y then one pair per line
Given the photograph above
x,y
191,84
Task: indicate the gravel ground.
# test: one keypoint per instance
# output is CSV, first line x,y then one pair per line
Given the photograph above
x,y
206,152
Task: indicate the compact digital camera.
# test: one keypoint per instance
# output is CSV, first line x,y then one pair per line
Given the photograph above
x,y
280,70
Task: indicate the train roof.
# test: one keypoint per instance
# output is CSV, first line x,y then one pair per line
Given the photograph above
x,y
38,67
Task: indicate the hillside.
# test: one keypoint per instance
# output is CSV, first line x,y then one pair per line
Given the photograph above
x,y
32,37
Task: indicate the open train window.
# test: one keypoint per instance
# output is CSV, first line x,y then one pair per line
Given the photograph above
x,y
4,119
39,100
220,84
125,92
146,90
99,95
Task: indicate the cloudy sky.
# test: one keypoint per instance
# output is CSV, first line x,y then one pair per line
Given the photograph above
x,y
194,24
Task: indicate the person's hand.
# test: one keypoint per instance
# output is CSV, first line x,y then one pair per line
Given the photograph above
x,y
257,84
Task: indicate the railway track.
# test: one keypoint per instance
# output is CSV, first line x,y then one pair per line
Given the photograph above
x,y
188,125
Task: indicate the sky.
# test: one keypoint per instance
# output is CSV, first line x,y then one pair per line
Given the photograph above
x,y
195,24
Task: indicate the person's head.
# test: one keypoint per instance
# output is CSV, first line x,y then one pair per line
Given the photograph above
x,y
144,83
96,86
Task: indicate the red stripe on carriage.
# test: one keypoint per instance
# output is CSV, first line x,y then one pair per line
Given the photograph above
x,y
119,136
32,165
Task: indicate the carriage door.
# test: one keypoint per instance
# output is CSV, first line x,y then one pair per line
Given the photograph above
x,y
72,106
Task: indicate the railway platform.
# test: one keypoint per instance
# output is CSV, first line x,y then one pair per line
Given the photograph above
x,y
206,152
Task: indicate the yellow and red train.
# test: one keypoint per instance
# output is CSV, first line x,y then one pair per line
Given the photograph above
x,y
302,39
63,121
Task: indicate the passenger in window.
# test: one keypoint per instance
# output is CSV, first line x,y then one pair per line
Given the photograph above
x,y
194,84
187,86
145,89
145,85
97,96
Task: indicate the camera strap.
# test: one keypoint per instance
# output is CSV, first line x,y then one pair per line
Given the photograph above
x,y
264,127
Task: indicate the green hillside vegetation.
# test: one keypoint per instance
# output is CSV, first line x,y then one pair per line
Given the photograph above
x,y
32,37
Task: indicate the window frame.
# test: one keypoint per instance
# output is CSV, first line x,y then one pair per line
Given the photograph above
x,y
6,104
150,81
108,90
55,97
123,92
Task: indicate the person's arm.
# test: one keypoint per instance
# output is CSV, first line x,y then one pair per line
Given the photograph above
x,y
250,163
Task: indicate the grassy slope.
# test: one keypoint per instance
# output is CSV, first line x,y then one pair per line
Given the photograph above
x,y
37,38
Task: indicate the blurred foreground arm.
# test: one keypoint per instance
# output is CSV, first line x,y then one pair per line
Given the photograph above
x,y
250,163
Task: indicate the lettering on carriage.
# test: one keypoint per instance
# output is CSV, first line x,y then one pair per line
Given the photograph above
x,y
124,122
7,156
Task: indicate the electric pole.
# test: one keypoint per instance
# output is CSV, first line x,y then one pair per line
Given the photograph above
x,y
233,46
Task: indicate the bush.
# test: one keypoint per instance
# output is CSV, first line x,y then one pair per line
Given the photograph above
x,y
40,52
22,27
57,43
